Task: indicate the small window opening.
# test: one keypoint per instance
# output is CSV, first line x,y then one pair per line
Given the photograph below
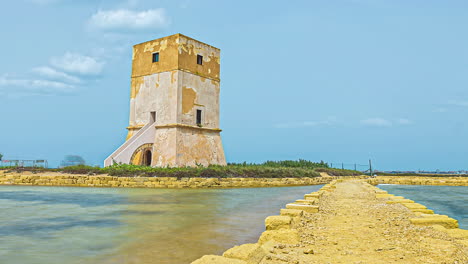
x,y
200,59
156,57
152,117
199,121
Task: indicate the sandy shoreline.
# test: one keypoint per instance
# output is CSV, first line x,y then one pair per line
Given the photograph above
x,y
356,223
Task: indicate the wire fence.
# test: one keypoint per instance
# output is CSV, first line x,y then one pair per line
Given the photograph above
x,y
351,166
24,163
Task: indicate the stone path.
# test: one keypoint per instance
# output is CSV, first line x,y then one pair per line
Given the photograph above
x,y
355,227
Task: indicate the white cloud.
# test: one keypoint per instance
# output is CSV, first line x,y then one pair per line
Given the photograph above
x,y
377,121
440,110
404,121
185,4
78,64
44,2
382,122
329,121
458,103
53,74
33,86
121,19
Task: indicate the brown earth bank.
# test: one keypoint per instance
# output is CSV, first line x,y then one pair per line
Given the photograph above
x,y
353,222
76,180
420,180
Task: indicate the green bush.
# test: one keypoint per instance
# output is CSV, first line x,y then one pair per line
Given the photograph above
x,y
286,164
339,172
269,169
81,169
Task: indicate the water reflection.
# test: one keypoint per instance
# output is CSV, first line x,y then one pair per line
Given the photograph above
x,y
104,225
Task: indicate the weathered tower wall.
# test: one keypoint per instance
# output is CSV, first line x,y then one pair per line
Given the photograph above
x,y
169,93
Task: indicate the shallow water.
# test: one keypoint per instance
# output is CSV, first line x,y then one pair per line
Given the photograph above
x,y
118,225
447,200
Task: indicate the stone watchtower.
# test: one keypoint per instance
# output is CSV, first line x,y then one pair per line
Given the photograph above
x,y
174,105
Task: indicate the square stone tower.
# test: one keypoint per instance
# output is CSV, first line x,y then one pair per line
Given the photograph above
x,y
174,105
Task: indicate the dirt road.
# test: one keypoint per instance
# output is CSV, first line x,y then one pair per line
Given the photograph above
x,y
355,227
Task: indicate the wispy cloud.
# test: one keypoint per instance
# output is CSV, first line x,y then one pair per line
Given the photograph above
x,y
463,103
404,121
382,122
64,75
25,86
44,2
77,64
299,124
48,72
376,121
440,110
125,19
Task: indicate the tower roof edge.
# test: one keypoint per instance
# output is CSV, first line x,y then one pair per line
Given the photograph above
x,y
178,35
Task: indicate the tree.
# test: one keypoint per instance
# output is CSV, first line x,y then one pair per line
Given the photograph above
x,y
72,160
1,156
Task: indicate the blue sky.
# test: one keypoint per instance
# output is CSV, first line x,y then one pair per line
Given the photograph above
x,y
339,81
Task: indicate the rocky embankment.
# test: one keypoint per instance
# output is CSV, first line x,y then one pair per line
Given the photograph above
x,y
419,180
352,222
76,180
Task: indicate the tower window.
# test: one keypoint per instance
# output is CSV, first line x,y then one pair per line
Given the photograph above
x,y
199,117
156,57
200,59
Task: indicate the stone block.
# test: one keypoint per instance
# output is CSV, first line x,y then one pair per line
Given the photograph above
x,y
383,195
446,222
283,236
213,259
277,222
456,232
413,205
394,201
250,253
314,195
379,191
292,212
304,207
424,211
301,201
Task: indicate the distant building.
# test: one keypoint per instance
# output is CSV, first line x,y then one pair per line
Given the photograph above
x,y
174,105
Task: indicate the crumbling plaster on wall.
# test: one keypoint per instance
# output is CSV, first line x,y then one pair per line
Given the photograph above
x,y
199,147
174,88
177,52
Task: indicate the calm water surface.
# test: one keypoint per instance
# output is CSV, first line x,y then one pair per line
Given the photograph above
x,y
104,225
447,200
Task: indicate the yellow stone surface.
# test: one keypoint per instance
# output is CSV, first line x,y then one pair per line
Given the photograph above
x,y
251,253
394,201
446,222
456,232
413,206
277,222
291,212
303,207
213,259
383,195
309,202
284,236
315,195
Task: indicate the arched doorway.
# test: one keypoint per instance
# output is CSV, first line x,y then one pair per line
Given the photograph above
x,y
147,157
143,155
